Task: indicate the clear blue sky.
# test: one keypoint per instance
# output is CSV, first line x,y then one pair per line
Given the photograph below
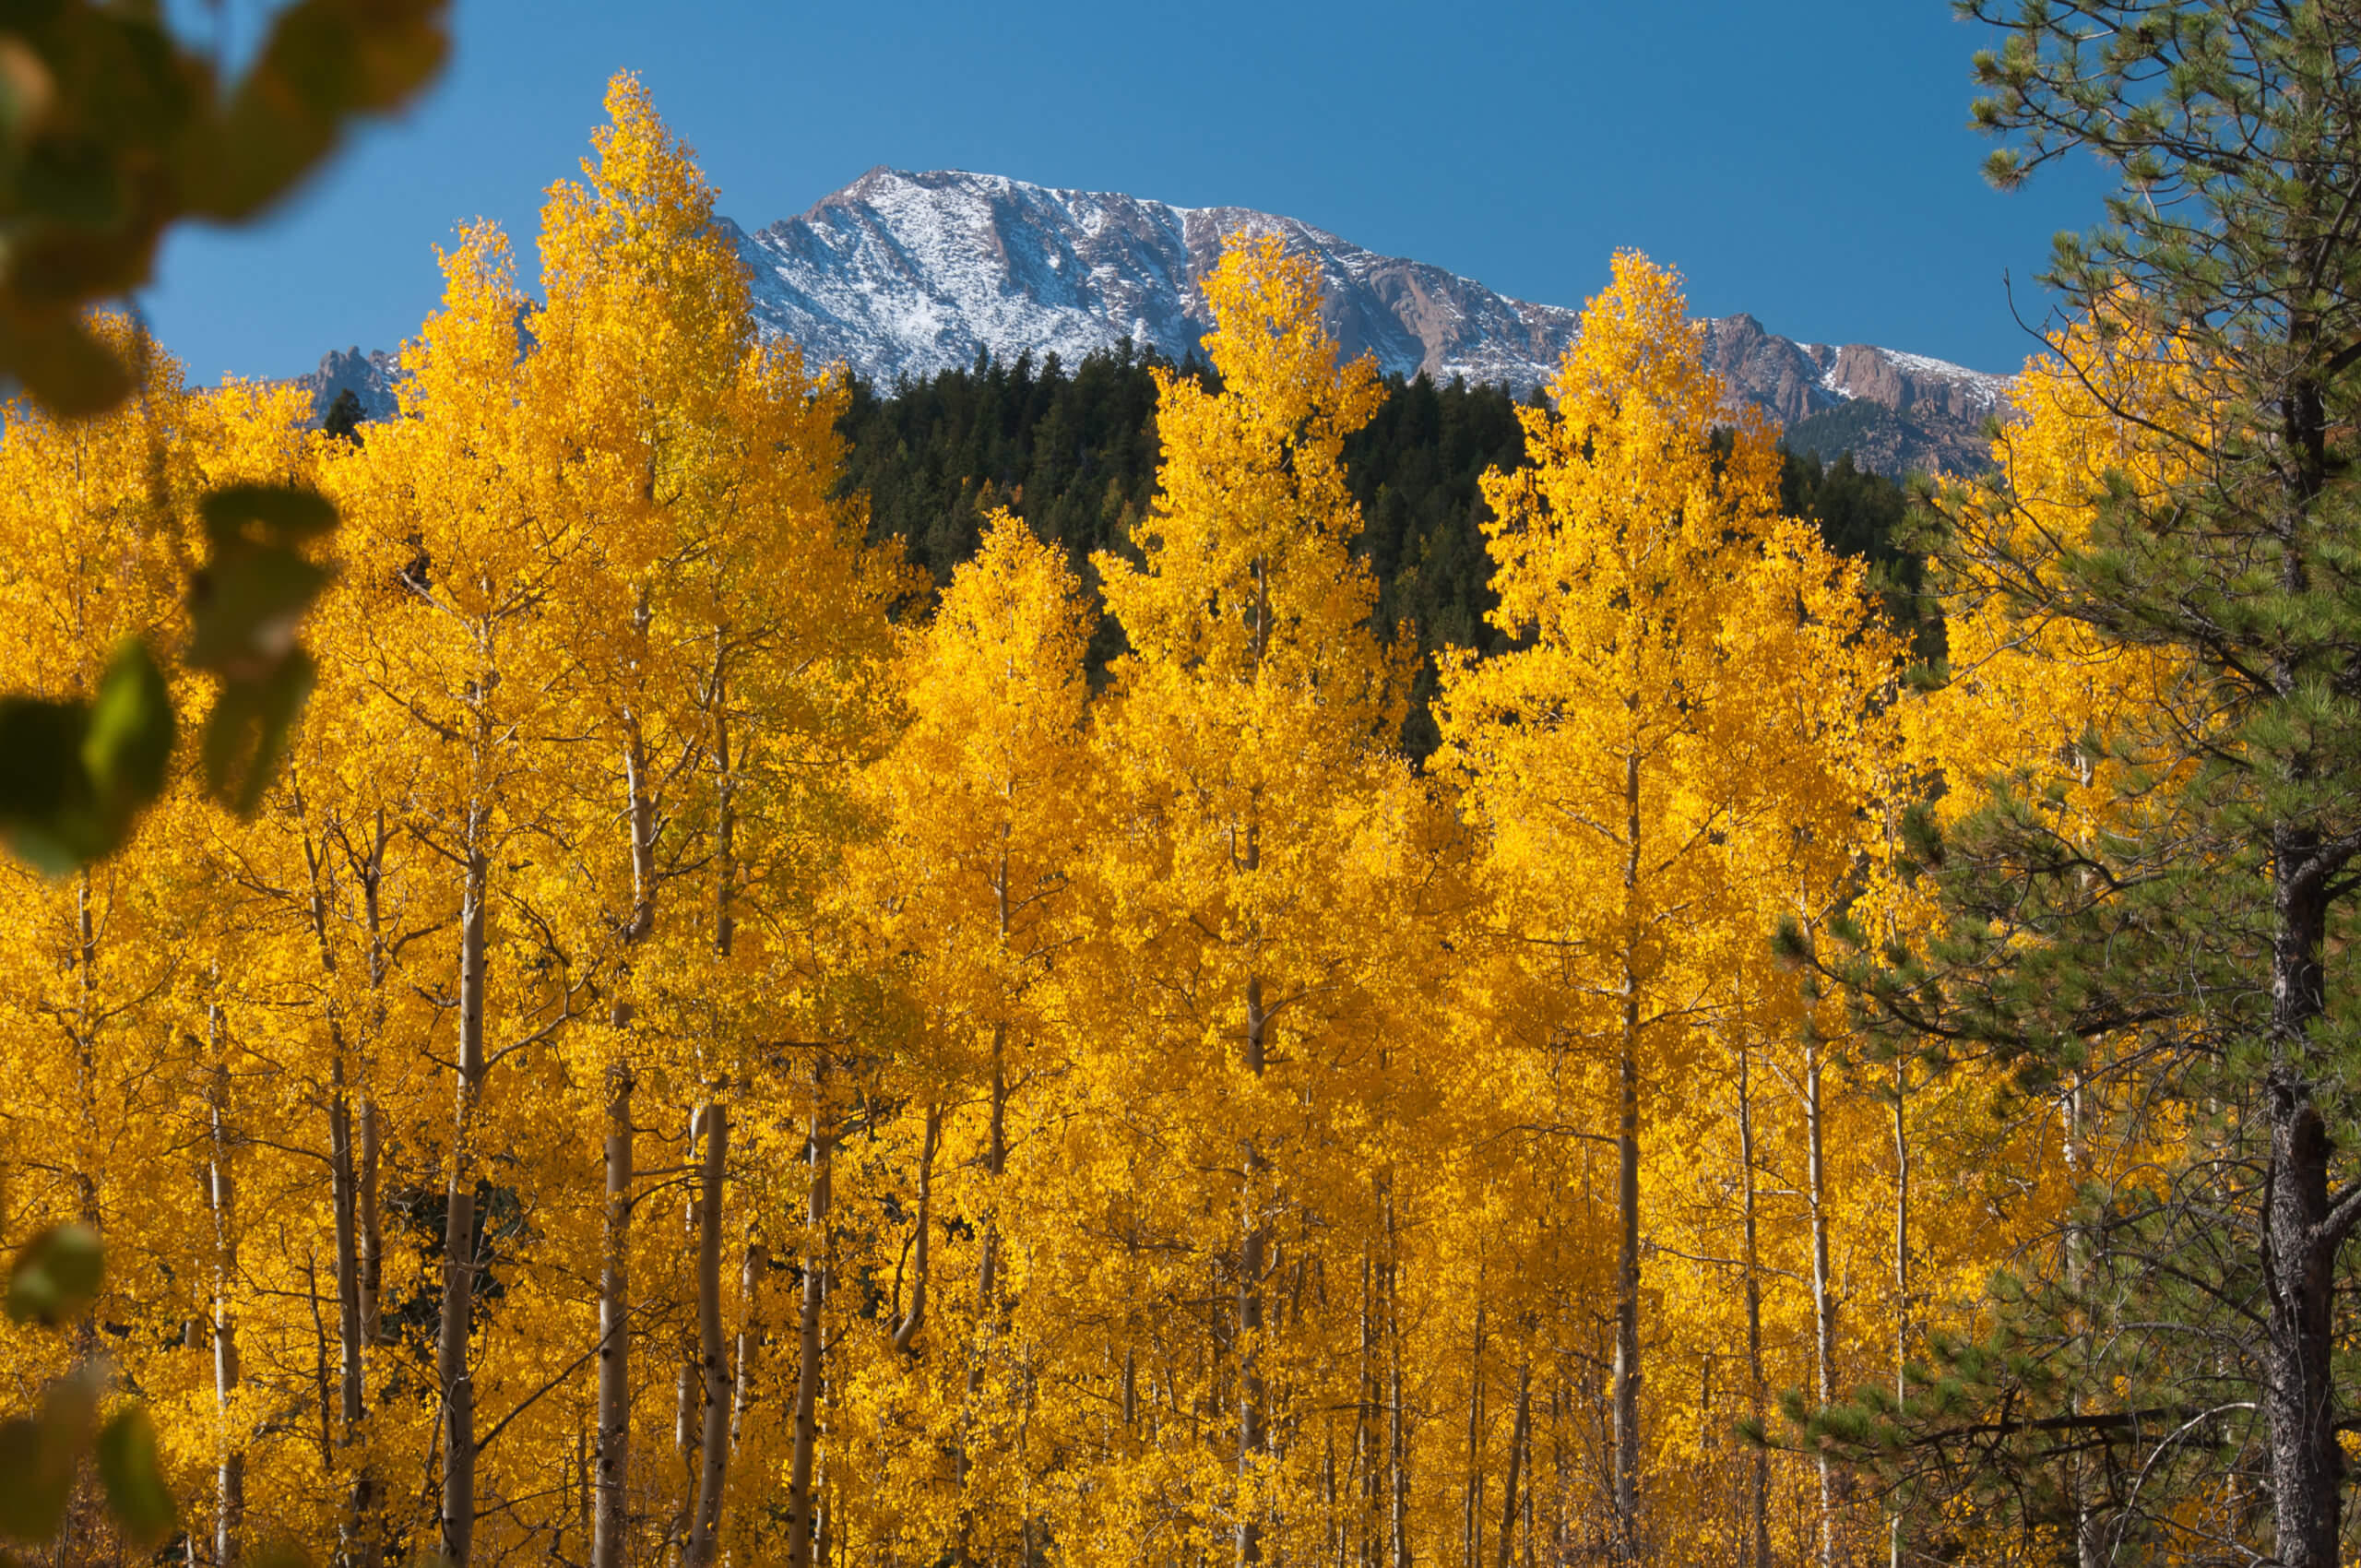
x,y
1807,161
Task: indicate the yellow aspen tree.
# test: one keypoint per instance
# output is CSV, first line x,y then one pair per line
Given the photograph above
x,y
1655,588
636,360
321,896
982,810
731,627
440,519
100,516
1250,745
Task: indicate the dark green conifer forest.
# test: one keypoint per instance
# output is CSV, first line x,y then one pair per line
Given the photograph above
x,y
1073,453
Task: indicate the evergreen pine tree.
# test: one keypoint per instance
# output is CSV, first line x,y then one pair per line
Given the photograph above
x,y
345,417
2143,921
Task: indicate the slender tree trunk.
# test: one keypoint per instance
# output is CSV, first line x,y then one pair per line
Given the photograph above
x,y
1627,1273
373,1133
1365,1469
1471,1523
611,1515
685,1380
1823,1301
610,1518
229,1499
356,1536
352,1183
1758,1391
454,1374
713,1471
372,1231
907,1332
1250,1263
1518,1437
750,1332
725,821
800,1499
2090,1549
1900,1270
995,1161
1397,1433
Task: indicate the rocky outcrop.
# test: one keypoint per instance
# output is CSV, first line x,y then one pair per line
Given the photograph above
x,y
1782,376
370,377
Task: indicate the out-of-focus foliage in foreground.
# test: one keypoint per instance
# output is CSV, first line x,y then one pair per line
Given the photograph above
x,y
111,130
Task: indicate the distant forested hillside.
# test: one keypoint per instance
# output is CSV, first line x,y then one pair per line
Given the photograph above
x,y
1073,453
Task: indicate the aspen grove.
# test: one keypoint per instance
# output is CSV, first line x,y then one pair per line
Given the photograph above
x,y
711,1051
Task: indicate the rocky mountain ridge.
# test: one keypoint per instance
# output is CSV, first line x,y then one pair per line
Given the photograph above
x,y
903,275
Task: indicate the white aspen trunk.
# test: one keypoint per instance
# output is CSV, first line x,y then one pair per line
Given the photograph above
x,y
712,1470
373,1133
995,1161
80,1523
1901,1269
357,1545
684,1376
1627,1273
750,1332
229,1481
352,1185
454,1374
1519,1435
1397,1435
1824,1300
1471,1523
800,1498
1365,1466
725,824
611,1513
1250,1263
1758,1391
986,1265
907,1332
373,1234
2089,1548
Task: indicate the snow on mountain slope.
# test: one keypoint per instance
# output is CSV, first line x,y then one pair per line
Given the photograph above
x,y
909,274
903,273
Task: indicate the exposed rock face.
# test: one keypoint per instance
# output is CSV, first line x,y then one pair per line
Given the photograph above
x,y
902,274
1786,377
908,275
371,377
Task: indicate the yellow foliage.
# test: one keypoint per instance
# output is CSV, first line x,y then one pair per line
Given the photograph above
x,y
702,1055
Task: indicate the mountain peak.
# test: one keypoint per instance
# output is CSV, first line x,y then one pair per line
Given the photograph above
x,y
909,273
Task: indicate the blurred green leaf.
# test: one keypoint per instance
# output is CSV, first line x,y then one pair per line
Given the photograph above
x,y
127,745
72,780
243,608
248,728
134,1480
112,130
35,1482
38,1456
285,512
27,88
48,812
325,61
70,371
55,1275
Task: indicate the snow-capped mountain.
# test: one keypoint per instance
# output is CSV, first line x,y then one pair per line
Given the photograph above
x,y
906,274
910,274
